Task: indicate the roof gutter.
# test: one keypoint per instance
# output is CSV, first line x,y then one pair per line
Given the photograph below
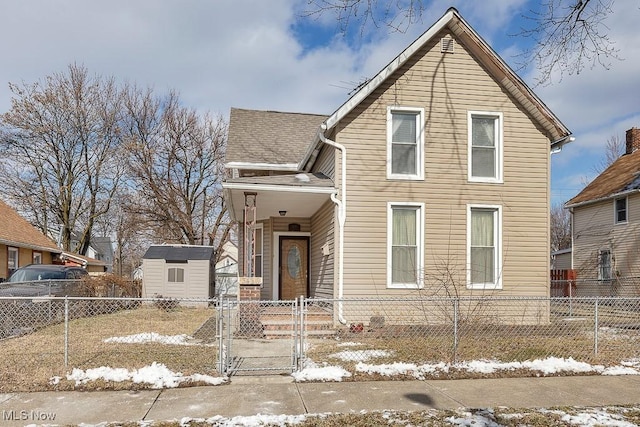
x,y
556,146
602,199
342,214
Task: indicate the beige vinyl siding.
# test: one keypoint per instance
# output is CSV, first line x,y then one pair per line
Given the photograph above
x,y
447,86
594,229
326,161
322,266
198,283
266,292
153,280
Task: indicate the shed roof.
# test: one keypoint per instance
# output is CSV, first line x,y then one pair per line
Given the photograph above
x,y
621,177
270,137
179,253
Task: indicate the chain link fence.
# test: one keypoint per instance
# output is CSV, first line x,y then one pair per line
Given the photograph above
x,y
43,337
433,330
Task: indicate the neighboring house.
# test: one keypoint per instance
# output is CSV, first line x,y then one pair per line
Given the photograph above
x,y
434,174
227,270
606,224
561,259
92,265
100,249
21,243
178,271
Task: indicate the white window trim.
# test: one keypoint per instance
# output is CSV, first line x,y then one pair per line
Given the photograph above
x,y
498,179
420,241
497,234
15,250
615,210
419,176
600,276
36,257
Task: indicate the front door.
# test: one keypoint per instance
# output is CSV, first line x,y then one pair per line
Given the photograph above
x,y
294,267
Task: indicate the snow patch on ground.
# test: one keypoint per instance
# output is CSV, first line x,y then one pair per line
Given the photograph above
x,y
156,375
152,337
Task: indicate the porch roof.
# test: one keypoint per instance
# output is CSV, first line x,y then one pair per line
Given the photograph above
x,y
299,195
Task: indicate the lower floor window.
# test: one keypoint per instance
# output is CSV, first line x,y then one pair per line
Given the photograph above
x,y
604,264
483,248
405,235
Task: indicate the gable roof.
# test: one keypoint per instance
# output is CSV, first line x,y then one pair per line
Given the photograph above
x,y
622,177
556,131
17,231
266,139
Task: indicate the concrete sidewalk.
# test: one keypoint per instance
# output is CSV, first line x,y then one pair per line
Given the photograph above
x,y
280,395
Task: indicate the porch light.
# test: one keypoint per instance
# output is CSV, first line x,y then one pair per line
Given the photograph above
x,y
282,213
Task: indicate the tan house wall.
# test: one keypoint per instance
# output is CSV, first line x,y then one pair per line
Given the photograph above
x,y
322,265
25,257
594,229
447,86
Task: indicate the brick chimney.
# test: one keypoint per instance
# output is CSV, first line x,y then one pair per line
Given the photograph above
x,y
633,140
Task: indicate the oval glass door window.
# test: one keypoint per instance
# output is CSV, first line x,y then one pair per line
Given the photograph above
x,y
293,262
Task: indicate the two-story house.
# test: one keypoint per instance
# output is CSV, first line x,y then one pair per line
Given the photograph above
x,y
606,227
432,176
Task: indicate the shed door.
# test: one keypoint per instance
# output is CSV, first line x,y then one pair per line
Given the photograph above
x,y
294,267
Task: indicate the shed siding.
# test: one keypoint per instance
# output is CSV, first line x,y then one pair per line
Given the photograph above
x,y
153,278
447,86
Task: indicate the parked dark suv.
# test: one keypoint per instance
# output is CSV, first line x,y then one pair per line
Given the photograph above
x,y
43,279
25,299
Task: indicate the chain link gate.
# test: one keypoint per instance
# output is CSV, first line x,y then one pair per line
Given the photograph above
x,y
259,337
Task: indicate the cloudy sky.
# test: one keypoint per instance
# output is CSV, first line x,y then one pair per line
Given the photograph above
x,y
266,55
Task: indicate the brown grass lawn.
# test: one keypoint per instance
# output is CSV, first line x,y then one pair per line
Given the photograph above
x,y
30,361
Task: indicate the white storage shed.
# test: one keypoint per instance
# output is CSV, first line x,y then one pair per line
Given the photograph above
x,y
178,271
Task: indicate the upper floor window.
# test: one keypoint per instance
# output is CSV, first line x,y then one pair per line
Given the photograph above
x,y
405,143
405,247
485,146
621,210
176,275
484,247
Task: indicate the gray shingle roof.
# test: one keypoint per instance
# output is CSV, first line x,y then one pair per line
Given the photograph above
x,y
179,253
270,136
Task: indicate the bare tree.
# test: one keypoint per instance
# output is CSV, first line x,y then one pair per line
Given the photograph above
x,y
567,35
560,227
175,163
612,151
60,147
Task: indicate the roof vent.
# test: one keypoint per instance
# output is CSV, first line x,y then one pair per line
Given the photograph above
x,y
446,45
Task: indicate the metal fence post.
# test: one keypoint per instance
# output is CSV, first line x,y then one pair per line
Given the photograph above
x,y
299,340
220,332
456,306
595,331
66,332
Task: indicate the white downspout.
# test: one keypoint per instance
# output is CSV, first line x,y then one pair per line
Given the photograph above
x,y
342,215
